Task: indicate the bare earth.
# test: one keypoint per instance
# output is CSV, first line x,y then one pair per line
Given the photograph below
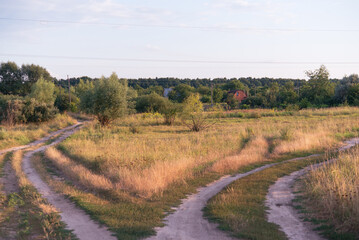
x,y
76,219
279,201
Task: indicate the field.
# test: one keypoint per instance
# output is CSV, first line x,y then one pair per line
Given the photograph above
x,y
138,168
127,176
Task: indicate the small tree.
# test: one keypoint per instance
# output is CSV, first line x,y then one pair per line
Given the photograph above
x,y
193,114
43,91
107,99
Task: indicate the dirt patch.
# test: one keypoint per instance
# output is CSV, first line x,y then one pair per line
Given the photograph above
x,y
9,180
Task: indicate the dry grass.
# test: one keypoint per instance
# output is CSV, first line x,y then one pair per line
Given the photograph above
x,y
254,152
25,133
335,188
149,161
77,172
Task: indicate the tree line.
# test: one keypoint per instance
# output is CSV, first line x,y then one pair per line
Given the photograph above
x,y
30,94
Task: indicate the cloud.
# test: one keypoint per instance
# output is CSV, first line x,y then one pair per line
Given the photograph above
x,y
152,47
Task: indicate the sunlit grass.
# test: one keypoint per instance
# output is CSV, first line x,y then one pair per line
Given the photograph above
x,y
334,189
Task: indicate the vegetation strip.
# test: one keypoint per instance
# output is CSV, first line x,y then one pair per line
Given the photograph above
x,y
239,208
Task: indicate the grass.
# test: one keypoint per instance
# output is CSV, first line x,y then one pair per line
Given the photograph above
x,y
146,163
152,169
333,193
25,133
240,207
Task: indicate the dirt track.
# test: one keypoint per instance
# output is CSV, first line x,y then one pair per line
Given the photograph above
x,y
75,218
187,221
279,201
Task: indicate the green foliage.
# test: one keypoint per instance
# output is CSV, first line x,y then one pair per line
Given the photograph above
x,y
107,99
151,103
181,92
43,91
62,101
319,90
10,78
193,113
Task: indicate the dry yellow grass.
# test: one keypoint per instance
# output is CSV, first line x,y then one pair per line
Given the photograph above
x,y
148,162
335,188
17,166
77,172
255,151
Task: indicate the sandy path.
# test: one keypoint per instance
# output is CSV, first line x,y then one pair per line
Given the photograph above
x,y
279,201
76,219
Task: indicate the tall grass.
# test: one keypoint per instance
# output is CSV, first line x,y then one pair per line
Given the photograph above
x,y
25,133
149,161
335,189
77,172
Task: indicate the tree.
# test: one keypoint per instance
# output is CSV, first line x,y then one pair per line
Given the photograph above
x,y
43,91
107,99
30,74
181,92
193,114
342,89
319,90
151,103
10,78
353,94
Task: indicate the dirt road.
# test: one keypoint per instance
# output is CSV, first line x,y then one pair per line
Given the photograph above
x,y
76,219
279,201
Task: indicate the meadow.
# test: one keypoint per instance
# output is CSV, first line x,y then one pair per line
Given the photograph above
x,y
129,174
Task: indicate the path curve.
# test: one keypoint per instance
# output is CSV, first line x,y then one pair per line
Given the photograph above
x,y
279,201
76,219
42,140
187,221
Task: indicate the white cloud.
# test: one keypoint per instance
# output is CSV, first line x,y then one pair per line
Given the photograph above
x,y
152,47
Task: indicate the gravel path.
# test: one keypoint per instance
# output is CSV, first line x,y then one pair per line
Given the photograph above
x,y
76,219
279,201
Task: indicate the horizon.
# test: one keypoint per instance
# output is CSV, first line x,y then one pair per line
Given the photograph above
x,y
202,39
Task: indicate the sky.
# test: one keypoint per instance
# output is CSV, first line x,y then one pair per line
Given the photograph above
x,y
184,39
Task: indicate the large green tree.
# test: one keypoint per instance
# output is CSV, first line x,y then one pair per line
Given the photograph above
x,y
10,78
30,73
107,100
319,89
43,91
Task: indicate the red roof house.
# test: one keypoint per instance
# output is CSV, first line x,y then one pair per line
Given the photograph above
x,y
240,95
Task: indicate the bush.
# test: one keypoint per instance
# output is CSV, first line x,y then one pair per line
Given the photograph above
x,y
19,110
